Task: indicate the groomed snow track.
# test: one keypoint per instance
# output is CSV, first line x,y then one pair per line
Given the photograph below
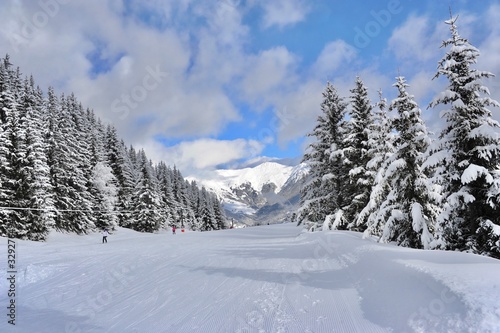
x,y
261,279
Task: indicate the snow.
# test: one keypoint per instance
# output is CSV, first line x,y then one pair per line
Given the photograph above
x,y
298,172
473,172
486,130
265,173
268,172
238,207
257,176
260,279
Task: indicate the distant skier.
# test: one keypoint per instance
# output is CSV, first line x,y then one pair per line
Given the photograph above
x,y
105,235
173,229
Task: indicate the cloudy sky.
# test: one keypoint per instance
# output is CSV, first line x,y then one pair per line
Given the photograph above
x,y
200,83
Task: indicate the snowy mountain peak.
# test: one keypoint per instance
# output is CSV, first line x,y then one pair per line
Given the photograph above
x,y
267,191
299,172
265,173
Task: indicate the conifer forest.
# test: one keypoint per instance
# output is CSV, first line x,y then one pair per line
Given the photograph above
x,y
62,168
376,169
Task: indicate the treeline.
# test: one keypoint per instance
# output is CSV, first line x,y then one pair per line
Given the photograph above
x,y
376,169
62,168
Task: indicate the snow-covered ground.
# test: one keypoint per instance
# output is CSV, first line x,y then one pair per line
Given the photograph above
x,y
261,279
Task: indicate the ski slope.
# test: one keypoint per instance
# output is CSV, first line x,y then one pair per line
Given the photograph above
x,y
261,279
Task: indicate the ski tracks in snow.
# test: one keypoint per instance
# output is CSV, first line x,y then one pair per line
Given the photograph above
x,y
259,280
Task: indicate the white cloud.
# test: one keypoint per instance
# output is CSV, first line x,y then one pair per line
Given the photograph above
x,y
297,112
180,101
193,157
334,55
204,53
417,39
267,72
283,12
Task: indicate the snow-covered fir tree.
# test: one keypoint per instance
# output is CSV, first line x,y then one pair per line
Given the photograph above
x,y
5,191
356,149
380,143
207,221
466,156
68,168
103,185
40,215
167,196
123,171
14,195
105,195
220,217
146,203
322,197
408,209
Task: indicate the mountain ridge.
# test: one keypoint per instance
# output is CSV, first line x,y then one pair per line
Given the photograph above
x,y
268,191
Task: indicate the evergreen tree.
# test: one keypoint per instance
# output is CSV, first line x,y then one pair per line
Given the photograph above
x,y
466,156
408,208
356,148
322,196
380,142
15,177
121,166
39,191
106,196
71,201
207,217
146,201
219,216
5,191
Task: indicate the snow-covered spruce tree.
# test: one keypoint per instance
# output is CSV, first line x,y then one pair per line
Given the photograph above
x,y
207,221
408,208
103,184
122,168
220,217
166,195
14,177
380,143
25,187
180,189
69,180
83,157
5,191
356,151
466,156
321,196
187,208
105,193
146,200
39,191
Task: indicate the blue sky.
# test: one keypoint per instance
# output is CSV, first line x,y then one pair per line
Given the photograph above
x,y
206,83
